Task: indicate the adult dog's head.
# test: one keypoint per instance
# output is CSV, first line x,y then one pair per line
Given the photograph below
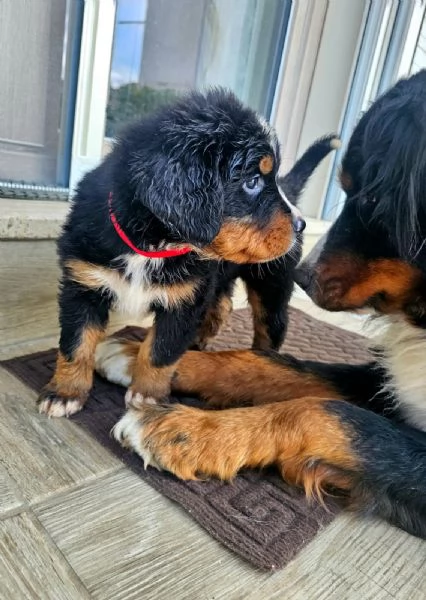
x,y
375,253
205,168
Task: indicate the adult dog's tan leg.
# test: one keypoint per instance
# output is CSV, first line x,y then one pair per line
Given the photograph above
x,y
308,443
222,378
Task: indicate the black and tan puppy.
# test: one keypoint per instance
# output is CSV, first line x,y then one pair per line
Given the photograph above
x,y
310,418
186,202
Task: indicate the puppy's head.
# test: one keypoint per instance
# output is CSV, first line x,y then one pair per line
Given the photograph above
x,y
206,168
374,255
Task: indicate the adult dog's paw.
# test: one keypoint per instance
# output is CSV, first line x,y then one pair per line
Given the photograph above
x,y
183,440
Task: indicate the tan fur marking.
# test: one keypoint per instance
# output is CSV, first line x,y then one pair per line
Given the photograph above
x,y
345,181
266,164
243,242
236,377
261,340
296,436
355,282
177,293
74,378
394,278
216,316
89,275
97,277
147,379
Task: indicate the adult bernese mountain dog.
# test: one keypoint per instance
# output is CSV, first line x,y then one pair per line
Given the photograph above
x,y
354,429
188,200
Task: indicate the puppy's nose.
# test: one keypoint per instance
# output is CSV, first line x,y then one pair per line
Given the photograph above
x,y
299,224
303,276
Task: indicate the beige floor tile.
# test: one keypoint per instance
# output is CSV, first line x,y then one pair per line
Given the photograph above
x,y
354,559
31,567
10,497
44,455
126,541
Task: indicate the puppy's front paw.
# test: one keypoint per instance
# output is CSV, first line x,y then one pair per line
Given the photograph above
x,y
52,404
136,400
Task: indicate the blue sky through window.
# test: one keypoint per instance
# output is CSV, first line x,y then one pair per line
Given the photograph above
x,y
128,41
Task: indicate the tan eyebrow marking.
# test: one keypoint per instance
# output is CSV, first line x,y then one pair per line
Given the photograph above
x,y
266,164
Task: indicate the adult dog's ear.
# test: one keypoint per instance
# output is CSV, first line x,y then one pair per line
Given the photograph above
x,y
186,195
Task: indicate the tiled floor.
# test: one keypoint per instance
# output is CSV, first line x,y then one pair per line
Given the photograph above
x,y
74,523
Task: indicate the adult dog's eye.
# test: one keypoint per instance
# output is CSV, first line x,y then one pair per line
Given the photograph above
x,y
369,200
253,185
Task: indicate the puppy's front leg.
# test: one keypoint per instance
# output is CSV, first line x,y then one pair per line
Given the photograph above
x,y
172,334
83,317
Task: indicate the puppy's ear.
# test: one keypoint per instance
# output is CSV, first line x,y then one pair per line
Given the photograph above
x,y
186,195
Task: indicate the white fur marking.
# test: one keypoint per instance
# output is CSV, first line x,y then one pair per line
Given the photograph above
x,y
404,349
133,292
129,432
295,212
112,363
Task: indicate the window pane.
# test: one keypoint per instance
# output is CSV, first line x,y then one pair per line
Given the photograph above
x,y
419,60
165,47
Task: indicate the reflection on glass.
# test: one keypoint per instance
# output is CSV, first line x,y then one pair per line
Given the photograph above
x,y
38,71
164,47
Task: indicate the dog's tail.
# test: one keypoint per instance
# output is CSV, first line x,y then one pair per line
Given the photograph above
x,y
295,180
390,480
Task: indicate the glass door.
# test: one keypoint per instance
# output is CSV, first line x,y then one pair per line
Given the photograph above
x,y
163,48
38,71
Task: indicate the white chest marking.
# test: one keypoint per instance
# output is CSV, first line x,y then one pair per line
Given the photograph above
x,y
132,292
405,362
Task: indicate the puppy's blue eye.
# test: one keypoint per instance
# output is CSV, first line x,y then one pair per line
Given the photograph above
x,y
253,185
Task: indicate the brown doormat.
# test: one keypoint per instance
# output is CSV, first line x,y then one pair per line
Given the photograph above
x,y
257,516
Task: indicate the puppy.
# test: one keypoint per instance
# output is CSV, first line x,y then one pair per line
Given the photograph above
x,y
186,202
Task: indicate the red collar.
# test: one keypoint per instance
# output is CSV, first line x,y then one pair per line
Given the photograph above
x,y
154,254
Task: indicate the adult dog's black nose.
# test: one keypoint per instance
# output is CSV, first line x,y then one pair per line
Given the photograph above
x,y
303,276
306,271
299,224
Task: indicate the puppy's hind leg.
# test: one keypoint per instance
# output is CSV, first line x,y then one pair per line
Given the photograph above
x,y
216,316
269,287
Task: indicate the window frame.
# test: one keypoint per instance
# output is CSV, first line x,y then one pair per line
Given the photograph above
x,y
92,88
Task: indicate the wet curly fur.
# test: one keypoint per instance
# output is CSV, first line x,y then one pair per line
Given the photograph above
x,y
201,173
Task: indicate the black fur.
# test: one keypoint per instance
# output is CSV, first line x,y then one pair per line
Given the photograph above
x,y
294,182
386,159
392,482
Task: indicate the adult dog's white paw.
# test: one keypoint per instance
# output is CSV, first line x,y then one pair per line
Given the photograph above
x,y
114,362
129,431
